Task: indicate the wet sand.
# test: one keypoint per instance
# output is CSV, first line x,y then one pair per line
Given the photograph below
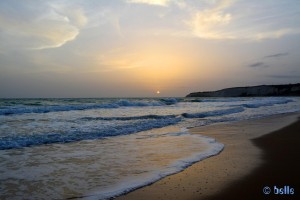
x,y
280,169
251,160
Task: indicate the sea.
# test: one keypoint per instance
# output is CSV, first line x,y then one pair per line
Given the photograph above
x,y
99,148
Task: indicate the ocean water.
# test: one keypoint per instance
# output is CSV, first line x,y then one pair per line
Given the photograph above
x,y
100,148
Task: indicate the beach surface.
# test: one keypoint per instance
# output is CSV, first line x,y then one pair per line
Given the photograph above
x,y
258,153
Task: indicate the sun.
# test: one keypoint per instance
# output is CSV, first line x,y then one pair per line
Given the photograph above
x,y
157,92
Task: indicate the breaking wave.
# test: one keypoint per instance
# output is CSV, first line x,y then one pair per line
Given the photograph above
x,y
268,102
131,118
10,142
213,113
59,108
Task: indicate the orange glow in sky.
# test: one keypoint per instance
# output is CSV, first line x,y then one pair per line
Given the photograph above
x,y
135,48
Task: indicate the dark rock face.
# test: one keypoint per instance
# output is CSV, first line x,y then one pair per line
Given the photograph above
x,y
253,91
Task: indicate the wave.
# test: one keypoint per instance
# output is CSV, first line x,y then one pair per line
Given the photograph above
x,y
214,149
127,103
268,102
12,142
61,108
130,118
55,108
169,101
218,100
214,113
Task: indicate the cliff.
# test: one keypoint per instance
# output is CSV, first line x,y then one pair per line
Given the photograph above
x,y
252,91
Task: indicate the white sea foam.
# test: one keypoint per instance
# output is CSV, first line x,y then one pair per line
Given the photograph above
x,y
87,133
98,169
213,113
21,109
128,185
266,102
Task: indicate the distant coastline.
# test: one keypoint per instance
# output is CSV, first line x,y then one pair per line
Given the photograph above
x,y
252,91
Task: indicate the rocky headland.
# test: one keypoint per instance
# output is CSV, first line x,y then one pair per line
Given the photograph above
x,y
252,91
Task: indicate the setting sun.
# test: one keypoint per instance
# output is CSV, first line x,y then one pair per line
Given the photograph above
x,y
157,92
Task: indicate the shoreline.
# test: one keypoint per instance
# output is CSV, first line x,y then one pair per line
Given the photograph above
x,y
217,176
280,168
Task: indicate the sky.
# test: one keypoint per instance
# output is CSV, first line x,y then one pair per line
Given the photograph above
x,y
134,48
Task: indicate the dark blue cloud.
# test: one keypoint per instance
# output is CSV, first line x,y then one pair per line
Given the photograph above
x,y
258,65
277,55
284,76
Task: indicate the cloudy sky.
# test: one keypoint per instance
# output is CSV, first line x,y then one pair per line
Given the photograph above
x,y
132,48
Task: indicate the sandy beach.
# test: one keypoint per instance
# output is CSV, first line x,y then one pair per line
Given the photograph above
x,y
257,153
